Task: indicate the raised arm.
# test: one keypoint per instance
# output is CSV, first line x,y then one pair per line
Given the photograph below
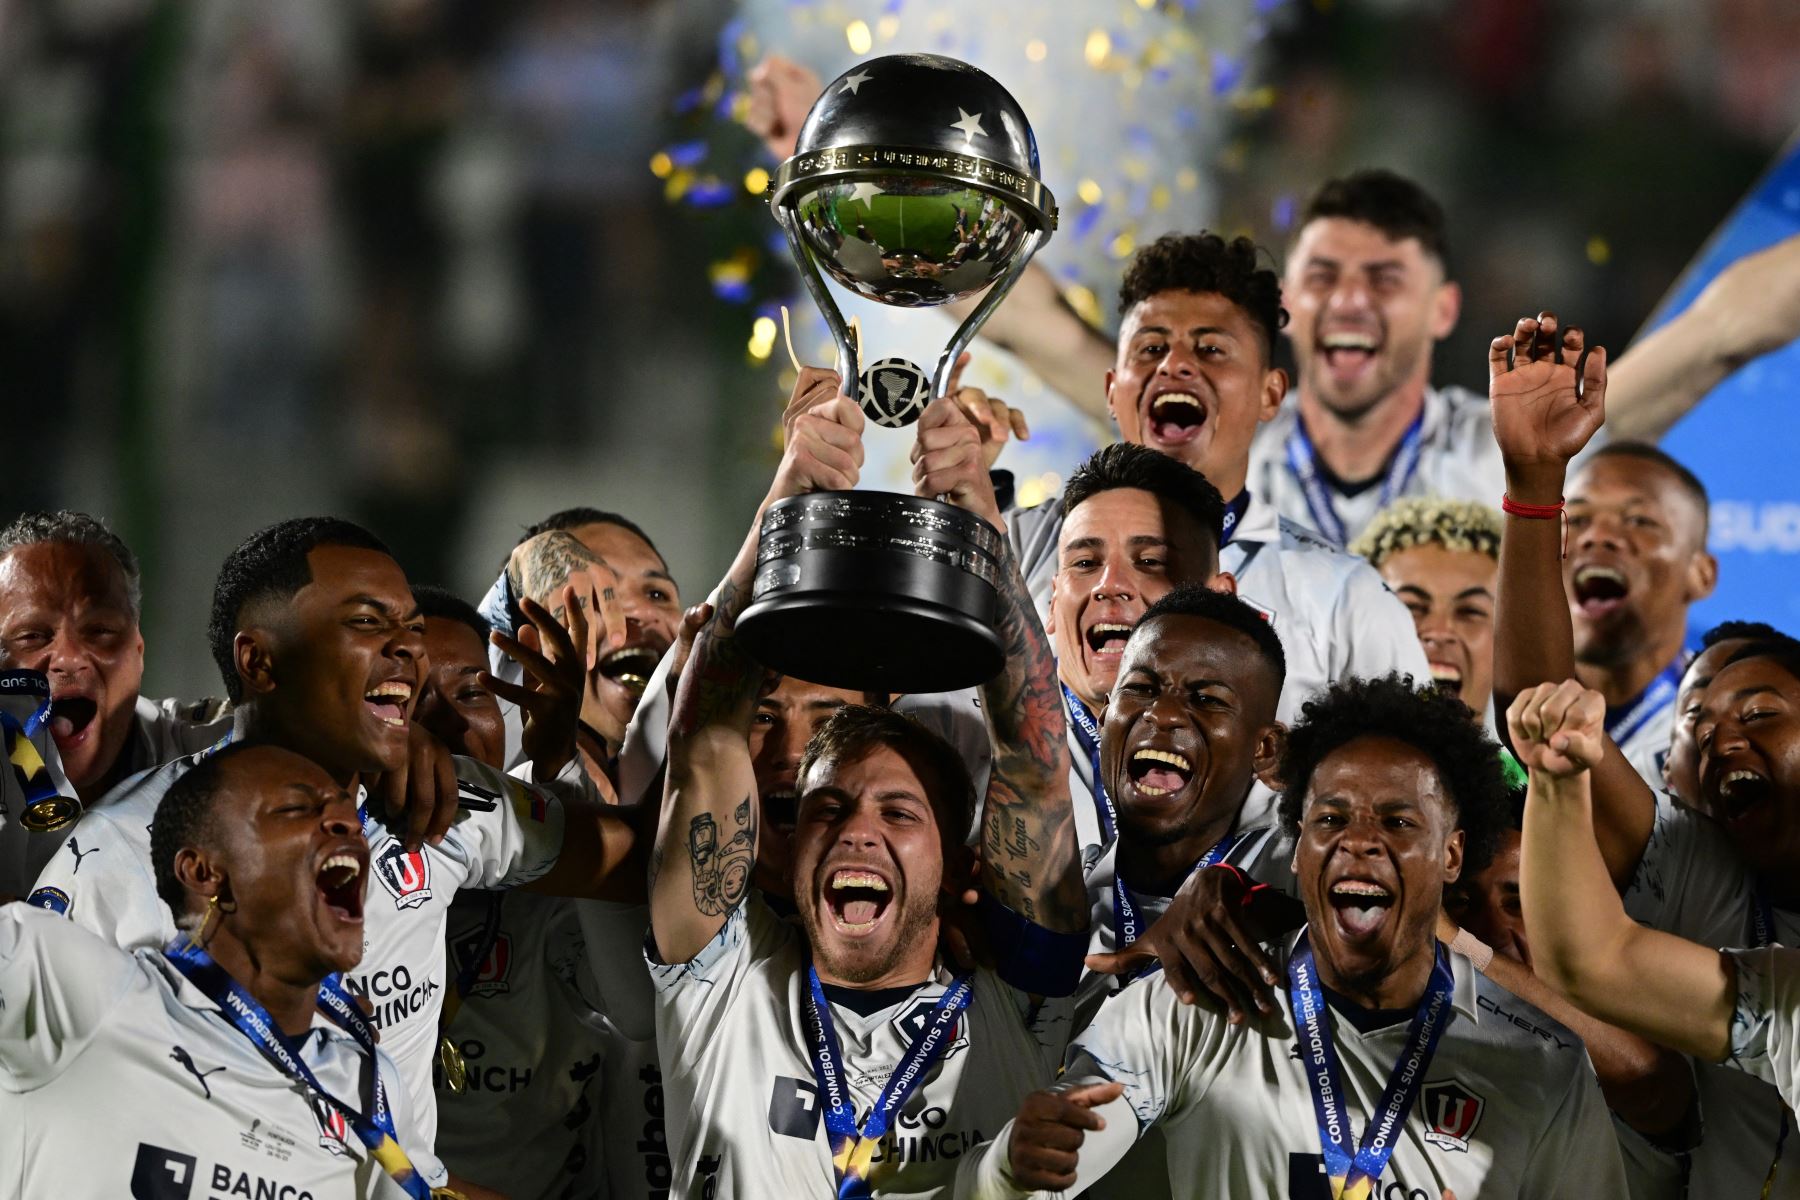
x,y
1030,860
706,842
1752,308
1542,419
1667,989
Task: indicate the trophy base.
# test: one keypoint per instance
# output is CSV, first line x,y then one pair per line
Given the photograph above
x,y
871,591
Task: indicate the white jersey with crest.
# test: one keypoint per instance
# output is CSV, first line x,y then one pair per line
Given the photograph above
x,y
118,1077
1495,1117
1690,883
531,1038
737,1069
1335,617
506,833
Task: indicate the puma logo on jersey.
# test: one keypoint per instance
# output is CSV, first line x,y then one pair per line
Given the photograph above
x,y
180,1055
406,874
74,848
1451,1113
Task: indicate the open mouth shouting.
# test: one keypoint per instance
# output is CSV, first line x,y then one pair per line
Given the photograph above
x,y
390,701
1174,418
1157,773
1360,907
857,899
73,721
630,667
339,881
1106,641
1738,793
780,808
1348,353
1600,590
1446,677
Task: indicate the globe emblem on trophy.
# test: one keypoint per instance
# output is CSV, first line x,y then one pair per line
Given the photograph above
x,y
914,182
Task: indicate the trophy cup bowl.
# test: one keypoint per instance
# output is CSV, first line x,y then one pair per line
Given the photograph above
x,y
914,182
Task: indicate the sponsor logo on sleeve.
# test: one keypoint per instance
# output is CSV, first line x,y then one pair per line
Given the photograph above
x,y
406,874
529,803
53,899
1451,1113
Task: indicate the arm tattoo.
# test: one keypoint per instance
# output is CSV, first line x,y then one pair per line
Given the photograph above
x,y
720,681
1029,857
543,565
722,874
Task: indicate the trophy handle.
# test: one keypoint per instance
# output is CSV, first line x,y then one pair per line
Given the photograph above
x,y
849,369
965,333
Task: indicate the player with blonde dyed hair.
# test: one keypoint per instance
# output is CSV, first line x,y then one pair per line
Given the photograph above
x,y
1442,558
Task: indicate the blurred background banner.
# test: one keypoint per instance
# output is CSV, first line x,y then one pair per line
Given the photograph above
x,y
444,266
1744,438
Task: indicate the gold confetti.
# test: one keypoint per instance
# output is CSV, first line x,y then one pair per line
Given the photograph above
x,y
756,181
661,164
1098,48
857,34
1084,302
1035,50
1159,197
1122,245
1187,179
1089,191
1599,251
887,28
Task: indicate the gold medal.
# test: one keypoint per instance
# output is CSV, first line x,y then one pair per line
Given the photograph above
x,y
456,1071
49,814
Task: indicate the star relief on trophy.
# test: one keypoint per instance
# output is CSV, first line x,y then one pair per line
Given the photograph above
x,y
969,125
865,193
852,83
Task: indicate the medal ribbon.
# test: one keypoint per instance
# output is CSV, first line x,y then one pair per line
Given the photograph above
x,y
1087,732
1303,460
1632,716
1762,933
1125,918
27,764
1353,1177
248,1017
853,1147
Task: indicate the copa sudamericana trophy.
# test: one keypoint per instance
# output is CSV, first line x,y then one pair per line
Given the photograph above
x,y
914,182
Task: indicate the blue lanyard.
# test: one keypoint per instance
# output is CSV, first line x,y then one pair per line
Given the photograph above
x,y
1234,512
1762,932
1125,917
853,1147
1087,732
1634,714
1353,1177
248,1017
1303,460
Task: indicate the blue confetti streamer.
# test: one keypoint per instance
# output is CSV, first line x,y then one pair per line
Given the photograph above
x,y
687,154
1281,213
708,193
1084,224
1226,71
737,291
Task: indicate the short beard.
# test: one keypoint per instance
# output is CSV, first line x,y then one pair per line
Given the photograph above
x,y
916,921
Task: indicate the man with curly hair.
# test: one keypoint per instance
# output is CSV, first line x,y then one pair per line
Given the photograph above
x,y
1382,1074
1442,557
1193,376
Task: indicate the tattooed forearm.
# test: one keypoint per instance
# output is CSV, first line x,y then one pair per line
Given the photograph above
x,y
1030,859
720,682
722,873
541,567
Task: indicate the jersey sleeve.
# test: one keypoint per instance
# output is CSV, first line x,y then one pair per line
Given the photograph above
x,y
985,1173
57,984
508,832
693,997
102,881
1578,1156
1688,881
1762,1024
1164,1052
1371,631
615,938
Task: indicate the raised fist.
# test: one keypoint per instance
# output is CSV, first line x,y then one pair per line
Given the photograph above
x,y
824,438
1558,728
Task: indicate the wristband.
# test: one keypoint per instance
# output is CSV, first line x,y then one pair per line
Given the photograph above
x,y
1249,883
1538,512
1473,948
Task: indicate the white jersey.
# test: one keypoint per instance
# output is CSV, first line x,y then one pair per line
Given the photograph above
x,y
161,730
118,1077
1335,617
1457,458
1690,883
506,833
1644,727
1495,1117
531,1038
738,1080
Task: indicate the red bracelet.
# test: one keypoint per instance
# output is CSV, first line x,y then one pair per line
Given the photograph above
x,y
1539,512
1244,879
